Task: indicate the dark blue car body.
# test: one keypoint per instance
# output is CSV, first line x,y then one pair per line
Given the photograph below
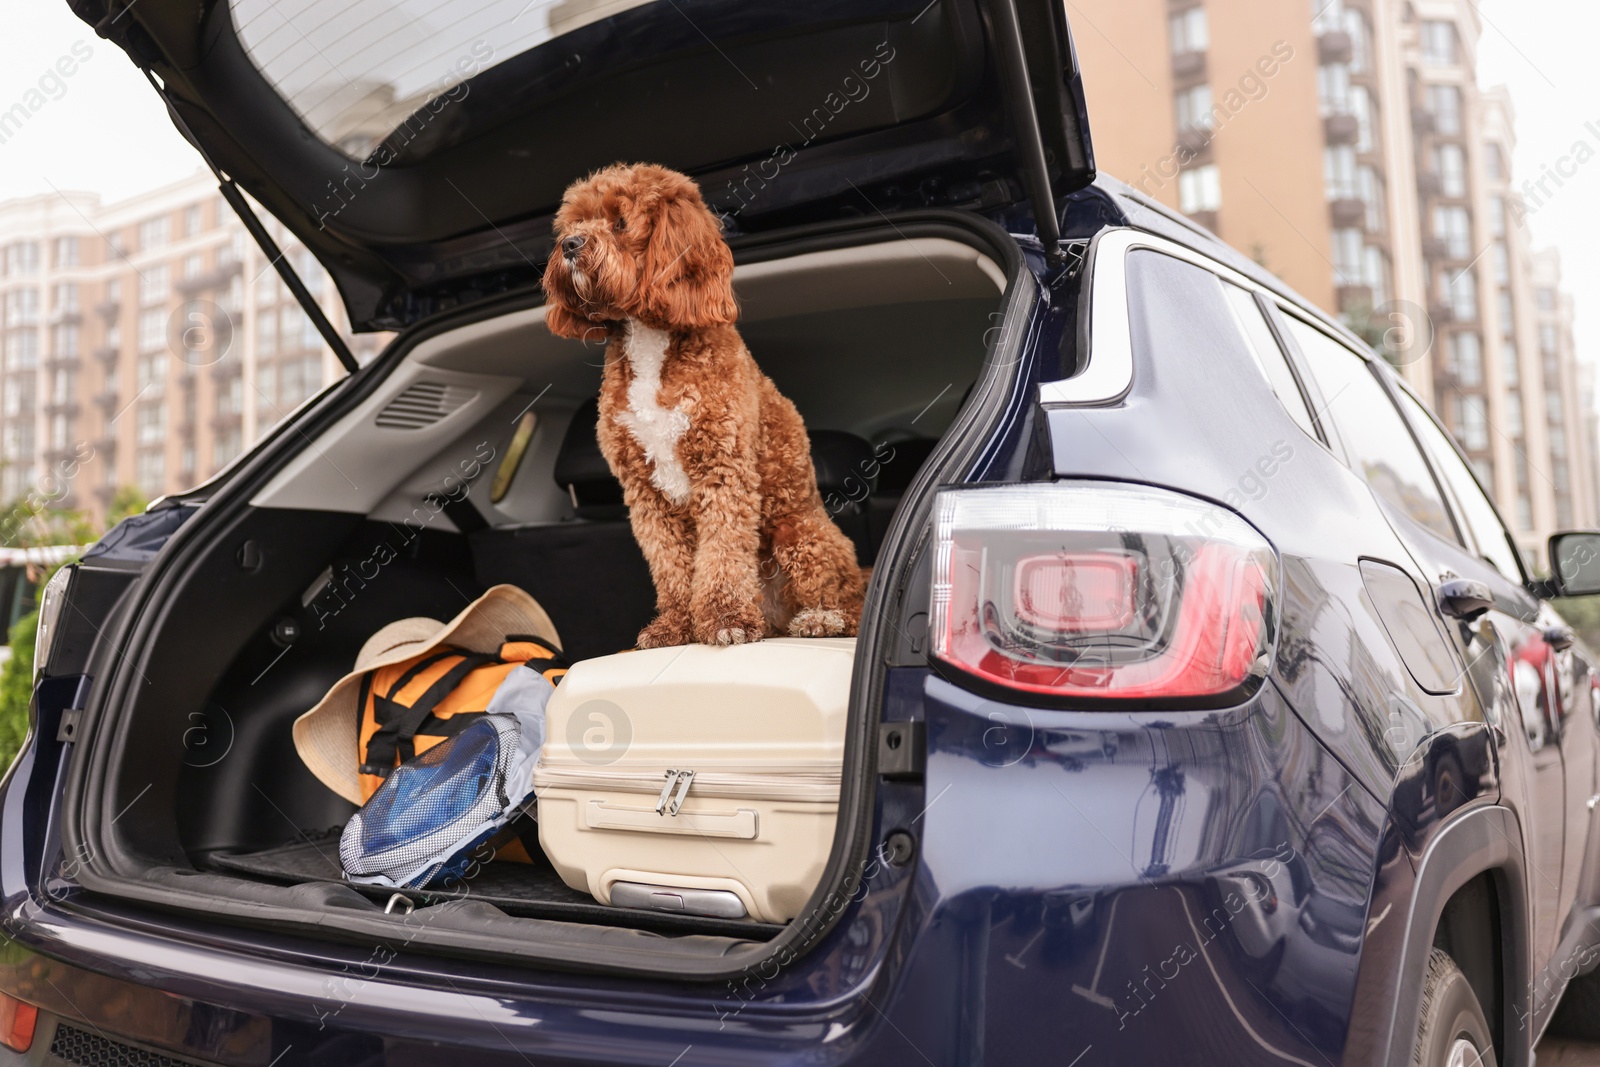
x,y
1254,883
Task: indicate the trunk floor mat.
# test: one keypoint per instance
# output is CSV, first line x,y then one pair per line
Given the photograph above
x,y
534,890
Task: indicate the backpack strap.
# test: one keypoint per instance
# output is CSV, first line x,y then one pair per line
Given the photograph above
x,y
399,723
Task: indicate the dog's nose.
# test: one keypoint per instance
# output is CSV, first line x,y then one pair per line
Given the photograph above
x,y
570,245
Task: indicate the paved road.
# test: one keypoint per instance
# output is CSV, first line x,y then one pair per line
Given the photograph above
x,y
1555,1053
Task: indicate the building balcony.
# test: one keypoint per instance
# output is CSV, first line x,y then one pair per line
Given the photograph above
x,y
1335,47
107,399
105,446
1348,213
1423,121
1441,314
67,361
1429,184
66,316
224,369
1436,249
107,354
1340,128
1208,219
1349,297
62,407
1188,66
215,278
108,309
1196,140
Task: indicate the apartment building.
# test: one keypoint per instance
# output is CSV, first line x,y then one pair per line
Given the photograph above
x,y
1346,146
145,343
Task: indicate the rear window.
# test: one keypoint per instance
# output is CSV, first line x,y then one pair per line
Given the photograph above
x,y
355,70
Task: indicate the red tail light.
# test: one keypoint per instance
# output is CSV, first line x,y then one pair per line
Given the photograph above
x,y
17,1020
1101,590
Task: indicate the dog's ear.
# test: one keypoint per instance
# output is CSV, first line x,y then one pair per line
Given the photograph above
x,y
688,269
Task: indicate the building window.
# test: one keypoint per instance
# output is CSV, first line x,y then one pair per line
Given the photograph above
x,y
191,220
152,330
66,252
1508,316
193,264
1372,195
151,373
1497,215
1494,162
1510,368
1200,189
1439,45
1466,355
152,233
266,332
152,472
22,258
225,447
1333,88
1547,339
154,284
1502,263
22,307
1458,289
1514,413
1450,163
1339,172
1189,32
1347,256
22,353
66,296
63,387
1558,441
1453,226
64,341
230,398
1193,108
1485,472
152,423
1355,24
1327,17
1366,123
1545,298
1472,424
1445,102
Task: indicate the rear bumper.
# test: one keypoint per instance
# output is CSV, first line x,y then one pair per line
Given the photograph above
x,y
1120,888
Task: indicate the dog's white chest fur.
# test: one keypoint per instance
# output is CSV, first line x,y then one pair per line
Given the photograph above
x,y
657,429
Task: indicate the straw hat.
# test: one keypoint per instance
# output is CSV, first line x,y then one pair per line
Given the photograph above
x,y
327,736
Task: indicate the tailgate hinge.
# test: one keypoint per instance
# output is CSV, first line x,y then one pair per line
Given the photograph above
x,y
67,729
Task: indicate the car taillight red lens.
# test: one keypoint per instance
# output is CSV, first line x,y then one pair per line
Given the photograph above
x,y
1101,590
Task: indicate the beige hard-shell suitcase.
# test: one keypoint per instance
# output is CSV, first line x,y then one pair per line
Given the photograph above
x,y
697,779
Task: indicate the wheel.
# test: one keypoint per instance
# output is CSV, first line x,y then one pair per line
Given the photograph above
x,y
1451,1030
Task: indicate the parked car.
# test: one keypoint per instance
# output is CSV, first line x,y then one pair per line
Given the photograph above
x,y
21,571
1184,718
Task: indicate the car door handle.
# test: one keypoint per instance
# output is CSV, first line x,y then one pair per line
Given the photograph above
x,y
1559,638
1464,599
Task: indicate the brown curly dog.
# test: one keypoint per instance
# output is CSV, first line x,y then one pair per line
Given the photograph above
x,y
714,462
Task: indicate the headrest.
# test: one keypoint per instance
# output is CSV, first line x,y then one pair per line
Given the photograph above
x,y
844,463
581,470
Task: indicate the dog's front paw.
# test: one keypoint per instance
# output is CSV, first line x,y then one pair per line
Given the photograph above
x,y
730,627
666,631
820,622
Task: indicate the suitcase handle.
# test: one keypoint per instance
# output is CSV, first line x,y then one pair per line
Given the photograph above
x,y
740,824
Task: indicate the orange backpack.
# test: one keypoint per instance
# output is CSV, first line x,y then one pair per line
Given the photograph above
x,y
410,706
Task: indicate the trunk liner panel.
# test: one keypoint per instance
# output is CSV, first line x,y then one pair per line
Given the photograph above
x,y
534,890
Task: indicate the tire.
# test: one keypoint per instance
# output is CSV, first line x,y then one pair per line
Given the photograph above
x,y
1451,1028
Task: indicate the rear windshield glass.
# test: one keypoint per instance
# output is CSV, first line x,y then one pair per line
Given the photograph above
x,y
355,70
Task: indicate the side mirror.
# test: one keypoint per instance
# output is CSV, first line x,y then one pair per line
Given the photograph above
x,y
1575,564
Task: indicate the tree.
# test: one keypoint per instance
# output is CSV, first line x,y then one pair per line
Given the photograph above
x,y
128,500
16,687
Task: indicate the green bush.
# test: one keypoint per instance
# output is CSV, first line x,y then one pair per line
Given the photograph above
x,y
16,687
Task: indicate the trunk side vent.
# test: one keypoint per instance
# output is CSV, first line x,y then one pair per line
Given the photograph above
x,y
422,404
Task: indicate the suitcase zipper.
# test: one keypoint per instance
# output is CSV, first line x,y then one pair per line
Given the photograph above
x,y
682,780
671,788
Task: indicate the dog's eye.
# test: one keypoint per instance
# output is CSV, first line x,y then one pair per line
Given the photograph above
x,y
621,223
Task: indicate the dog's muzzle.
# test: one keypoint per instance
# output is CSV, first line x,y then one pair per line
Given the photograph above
x,y
571,246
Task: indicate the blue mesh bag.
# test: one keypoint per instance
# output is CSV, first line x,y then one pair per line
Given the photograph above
x,y
424,822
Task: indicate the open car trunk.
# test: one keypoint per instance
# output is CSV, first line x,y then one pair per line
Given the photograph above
x,y
463,459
